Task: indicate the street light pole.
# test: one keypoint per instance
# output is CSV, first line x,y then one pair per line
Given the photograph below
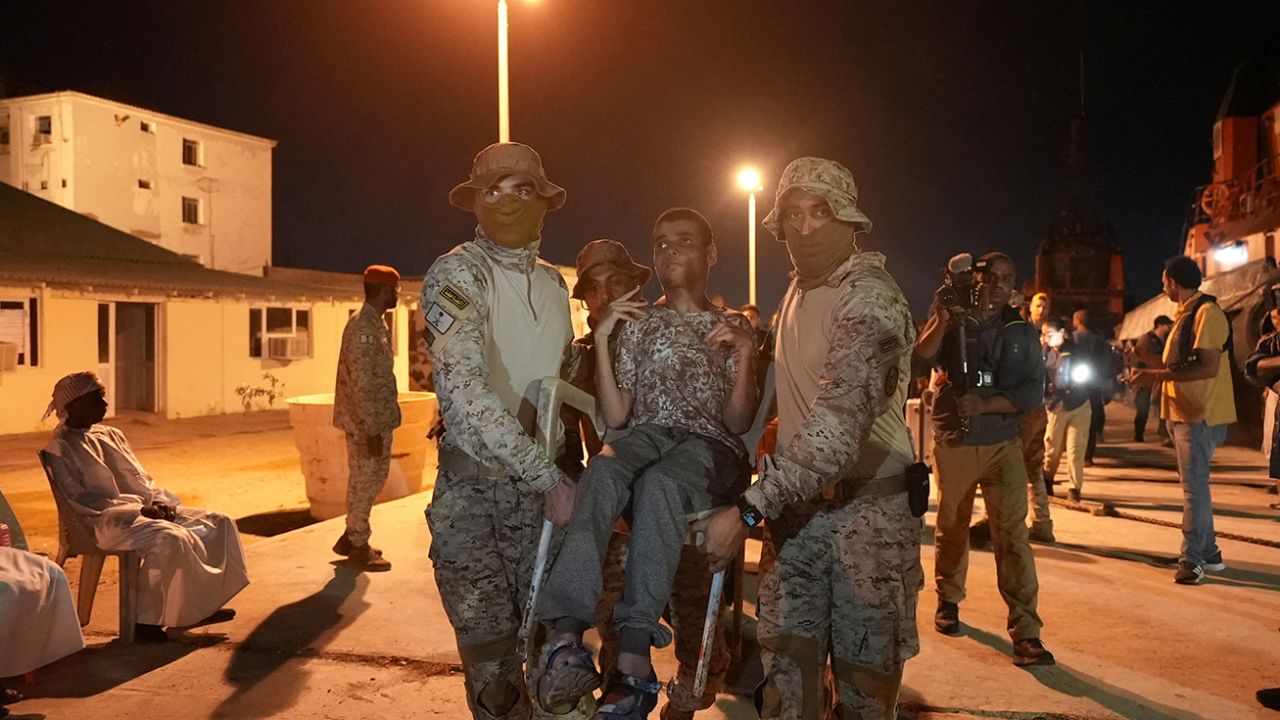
x,y
751,247
749,180
504,102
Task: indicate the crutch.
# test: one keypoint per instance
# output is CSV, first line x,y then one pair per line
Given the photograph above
x,y
552,393
708,634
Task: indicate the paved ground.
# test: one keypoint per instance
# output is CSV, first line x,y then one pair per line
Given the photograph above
x,y
313,640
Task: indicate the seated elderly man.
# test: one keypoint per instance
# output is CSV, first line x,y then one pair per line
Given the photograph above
x,y
37,618
192,562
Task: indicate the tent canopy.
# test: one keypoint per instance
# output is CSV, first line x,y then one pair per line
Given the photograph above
x,y
1234,289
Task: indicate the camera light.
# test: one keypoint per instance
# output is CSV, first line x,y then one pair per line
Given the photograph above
x,y
1081,374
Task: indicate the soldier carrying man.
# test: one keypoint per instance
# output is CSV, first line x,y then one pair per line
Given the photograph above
x,y
497,322
365,407
840,572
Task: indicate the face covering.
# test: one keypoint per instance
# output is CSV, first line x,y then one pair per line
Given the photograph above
x,y
816,255
511,222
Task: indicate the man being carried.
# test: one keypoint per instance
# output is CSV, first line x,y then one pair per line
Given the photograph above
x,y
497,322
192,562
365,407
685,386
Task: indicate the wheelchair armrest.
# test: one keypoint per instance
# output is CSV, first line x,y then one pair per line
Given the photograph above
x,y
553,393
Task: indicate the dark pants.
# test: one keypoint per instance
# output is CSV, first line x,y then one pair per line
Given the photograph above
x,y
1096,423
1141,403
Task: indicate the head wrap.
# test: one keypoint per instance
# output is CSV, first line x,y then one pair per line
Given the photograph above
x,y
69,389
381,275
826,178
611,253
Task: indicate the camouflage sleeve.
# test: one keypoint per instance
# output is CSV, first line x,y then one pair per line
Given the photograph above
x,y
867,340
355,364
454,300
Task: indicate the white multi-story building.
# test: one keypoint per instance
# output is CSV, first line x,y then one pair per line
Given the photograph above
x,y
197,190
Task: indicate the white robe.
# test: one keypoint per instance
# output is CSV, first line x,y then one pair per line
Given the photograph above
x,y
190,567
37,617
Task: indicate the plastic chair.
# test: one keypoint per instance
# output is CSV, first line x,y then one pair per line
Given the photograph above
x,y
75,540
552,394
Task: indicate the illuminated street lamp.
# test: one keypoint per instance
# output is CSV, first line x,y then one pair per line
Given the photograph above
x,y
749,180
504,100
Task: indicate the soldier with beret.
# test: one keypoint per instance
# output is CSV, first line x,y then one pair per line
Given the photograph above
x,y
365,407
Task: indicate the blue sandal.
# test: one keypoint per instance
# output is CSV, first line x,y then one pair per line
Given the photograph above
x,y
563,684
629,698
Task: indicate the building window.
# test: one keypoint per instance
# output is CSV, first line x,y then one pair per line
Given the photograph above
x,y
44,184
104,333
191,210
280,333
146,185
44,124
191,152
4,133
146,126
20,327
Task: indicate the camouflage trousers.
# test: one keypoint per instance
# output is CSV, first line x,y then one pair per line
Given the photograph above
x,y
837,609
484,539
687,614
366,474
1000,471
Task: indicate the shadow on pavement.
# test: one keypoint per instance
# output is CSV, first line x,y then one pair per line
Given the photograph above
x,y
99,668
1120,504
289,631
276,522
1068,681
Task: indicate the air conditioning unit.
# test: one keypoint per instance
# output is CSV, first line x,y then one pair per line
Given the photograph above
x,y
8,357
288,348
38,139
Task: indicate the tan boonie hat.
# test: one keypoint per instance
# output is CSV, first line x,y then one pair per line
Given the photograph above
x,y
826,178
607,252
498,161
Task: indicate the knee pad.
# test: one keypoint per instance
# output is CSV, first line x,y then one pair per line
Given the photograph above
x,y
498,697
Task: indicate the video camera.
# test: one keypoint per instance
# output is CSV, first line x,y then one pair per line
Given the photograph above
x,y
959,291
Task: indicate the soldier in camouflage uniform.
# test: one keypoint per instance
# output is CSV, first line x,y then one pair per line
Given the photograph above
x,y
840,572
365,407
497,322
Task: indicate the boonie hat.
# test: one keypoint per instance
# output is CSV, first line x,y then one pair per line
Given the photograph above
x,y
611,253
498,161
826,178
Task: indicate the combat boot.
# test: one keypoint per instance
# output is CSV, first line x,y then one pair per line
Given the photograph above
x,y
1042,531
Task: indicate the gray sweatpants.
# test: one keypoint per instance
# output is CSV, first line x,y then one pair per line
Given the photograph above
x,y
666,474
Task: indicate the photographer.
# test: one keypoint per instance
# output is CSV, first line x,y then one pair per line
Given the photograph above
x,y
991,372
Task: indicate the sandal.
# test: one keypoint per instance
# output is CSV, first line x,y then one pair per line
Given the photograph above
x,y
563,683
629,698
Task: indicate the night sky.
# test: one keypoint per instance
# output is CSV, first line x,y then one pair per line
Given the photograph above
x,y
953,116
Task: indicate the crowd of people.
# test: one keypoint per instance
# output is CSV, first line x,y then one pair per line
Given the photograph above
x,y
678,382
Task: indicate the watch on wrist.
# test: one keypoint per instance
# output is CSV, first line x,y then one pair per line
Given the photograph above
x,y
751,516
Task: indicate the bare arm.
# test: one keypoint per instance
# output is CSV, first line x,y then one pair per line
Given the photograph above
x,y
740,407
930,340
615,403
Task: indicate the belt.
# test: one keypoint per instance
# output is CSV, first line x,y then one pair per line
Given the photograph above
x,y
457,462
853,488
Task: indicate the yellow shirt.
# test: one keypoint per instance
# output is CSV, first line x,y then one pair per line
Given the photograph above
x,y
1213,399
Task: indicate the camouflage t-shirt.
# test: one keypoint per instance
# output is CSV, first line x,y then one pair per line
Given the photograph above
x,y
675,378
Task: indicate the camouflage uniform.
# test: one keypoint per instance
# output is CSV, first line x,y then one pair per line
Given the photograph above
x,y
492,313
365,404
839,575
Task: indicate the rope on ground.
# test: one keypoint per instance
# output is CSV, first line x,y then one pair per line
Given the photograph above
x,y
1106,509
1169,523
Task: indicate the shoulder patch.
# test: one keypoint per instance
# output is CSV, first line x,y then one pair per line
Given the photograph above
x,y
455,297
888,343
